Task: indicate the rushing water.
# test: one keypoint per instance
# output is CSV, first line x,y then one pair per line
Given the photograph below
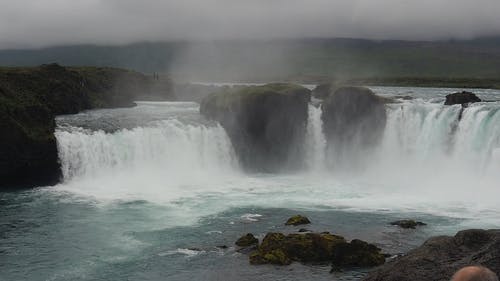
x,y
151,191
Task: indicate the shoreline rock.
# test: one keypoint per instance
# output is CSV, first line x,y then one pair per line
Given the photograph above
x,y
439,257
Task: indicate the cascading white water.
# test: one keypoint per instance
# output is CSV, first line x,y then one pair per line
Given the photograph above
x,y
430,137
426,160
162,159
171,146
315,140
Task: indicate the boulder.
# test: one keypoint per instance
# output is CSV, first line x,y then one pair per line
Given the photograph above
x,y
439,257
266,124
461,98
354,120
247,240
280,249
297,220
408,223
358,253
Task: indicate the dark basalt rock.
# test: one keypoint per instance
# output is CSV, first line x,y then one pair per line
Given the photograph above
x,y
461,98
280,249
439,257
322,91
297,220
266,124
354,120
247,240
408,223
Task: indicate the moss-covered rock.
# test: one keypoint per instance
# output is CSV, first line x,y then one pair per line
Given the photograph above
x,y
281,249
266,124
297,220
247,240
312,247
408,223
31,97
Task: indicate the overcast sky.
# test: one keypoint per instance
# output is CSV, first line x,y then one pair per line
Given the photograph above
x,y
35,23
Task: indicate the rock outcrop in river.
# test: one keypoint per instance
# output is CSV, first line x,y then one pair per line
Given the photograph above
x,y
354,119
30,98
461,98
266,124
439,257
280,249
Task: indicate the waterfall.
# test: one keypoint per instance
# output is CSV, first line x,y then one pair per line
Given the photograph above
x,y
431,135
423,137
169,149
315,140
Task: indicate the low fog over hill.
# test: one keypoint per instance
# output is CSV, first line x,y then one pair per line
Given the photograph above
x,y
305,59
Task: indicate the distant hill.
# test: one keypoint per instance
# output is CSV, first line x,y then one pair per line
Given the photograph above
x,y
306,59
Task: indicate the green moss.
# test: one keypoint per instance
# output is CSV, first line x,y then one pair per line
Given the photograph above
x,y
277,257
247,240
277,248
272,241
231,97
297,220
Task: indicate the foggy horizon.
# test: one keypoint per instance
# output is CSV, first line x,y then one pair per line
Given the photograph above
x,y
35,24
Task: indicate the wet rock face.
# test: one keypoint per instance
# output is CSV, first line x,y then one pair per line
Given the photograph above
x,y
266,124
354,120
297,220
439,257
461,98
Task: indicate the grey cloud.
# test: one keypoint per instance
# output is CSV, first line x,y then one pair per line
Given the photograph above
x,y
25,23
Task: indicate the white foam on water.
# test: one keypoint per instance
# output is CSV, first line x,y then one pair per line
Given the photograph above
x,y
251,217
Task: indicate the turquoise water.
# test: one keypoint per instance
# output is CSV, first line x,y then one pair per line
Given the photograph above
x,y
51,236
152,192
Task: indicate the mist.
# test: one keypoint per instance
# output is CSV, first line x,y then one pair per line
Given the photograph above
x,y
30,23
